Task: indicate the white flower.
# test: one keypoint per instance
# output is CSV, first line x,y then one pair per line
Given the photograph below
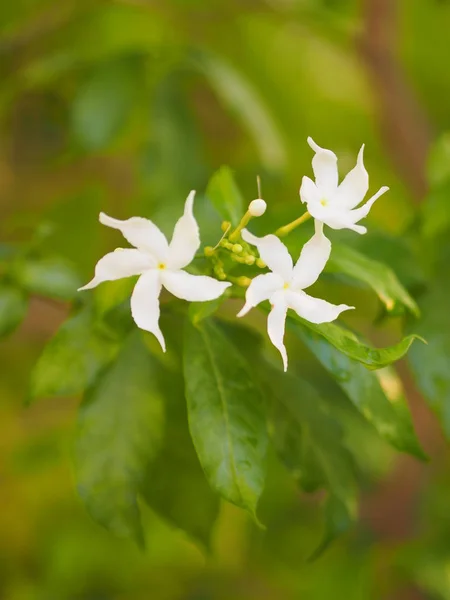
x,y
284,286
333,204
159,264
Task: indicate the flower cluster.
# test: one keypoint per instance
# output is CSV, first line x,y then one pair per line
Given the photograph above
x,y
161,264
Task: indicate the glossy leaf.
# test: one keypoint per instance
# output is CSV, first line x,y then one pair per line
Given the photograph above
x,y
119,432
389,415
175,485
225,195
50,277
345,341
430,364
225,415
380,277
13,308
72,360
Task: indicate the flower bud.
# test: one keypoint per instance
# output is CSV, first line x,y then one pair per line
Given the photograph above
x,y
249,260
237,248
257,207
260,263
209,251
225,226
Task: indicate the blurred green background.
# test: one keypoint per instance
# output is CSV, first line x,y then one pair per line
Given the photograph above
x,y
126,105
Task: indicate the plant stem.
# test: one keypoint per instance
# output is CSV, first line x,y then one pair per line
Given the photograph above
x,y
234,236
290,226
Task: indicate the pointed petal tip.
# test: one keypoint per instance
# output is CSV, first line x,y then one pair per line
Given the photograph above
x,y
189,201
312,144
244,310
91,284
361,154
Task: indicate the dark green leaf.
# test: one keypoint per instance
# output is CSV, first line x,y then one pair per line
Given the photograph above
x,y
175,485
201,310
389,415
431,363
53,278
375,274
73,358
345,341
13,308
225,415
310,444
105,102
119,432
225,195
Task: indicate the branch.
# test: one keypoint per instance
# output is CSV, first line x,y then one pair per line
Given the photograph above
x,y
404,125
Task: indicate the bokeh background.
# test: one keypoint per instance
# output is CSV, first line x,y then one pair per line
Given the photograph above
x,y
126,105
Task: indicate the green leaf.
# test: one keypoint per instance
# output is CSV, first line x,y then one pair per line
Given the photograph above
x,y
105,102
225,195
201,310
119,432
310,444
175,485
430,363
50,277
376,275
73,358
225,415
248,104
13,308
345,341
388,414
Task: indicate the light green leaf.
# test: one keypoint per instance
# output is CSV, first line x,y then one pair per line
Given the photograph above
x,y
225,195
175,485
389,415
375,274
50,277
119,432
430,363
225,415
246,102
13,308
105,102
345,341
73,358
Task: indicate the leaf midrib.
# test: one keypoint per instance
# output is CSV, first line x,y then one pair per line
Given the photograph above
x,y
222,395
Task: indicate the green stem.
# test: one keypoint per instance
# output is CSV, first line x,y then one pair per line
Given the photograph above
x,y
234,236
291,226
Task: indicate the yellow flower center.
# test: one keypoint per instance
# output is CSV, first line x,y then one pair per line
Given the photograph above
x,y
161,266
323,202
286,286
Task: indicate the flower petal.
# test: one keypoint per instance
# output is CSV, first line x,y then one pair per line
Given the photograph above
x,y
359,213
194,288
325,169
276,323
334,218
355,185
145,304
123,262
261,288
142,234
308,191
312,260
273,252
312,309
185,239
